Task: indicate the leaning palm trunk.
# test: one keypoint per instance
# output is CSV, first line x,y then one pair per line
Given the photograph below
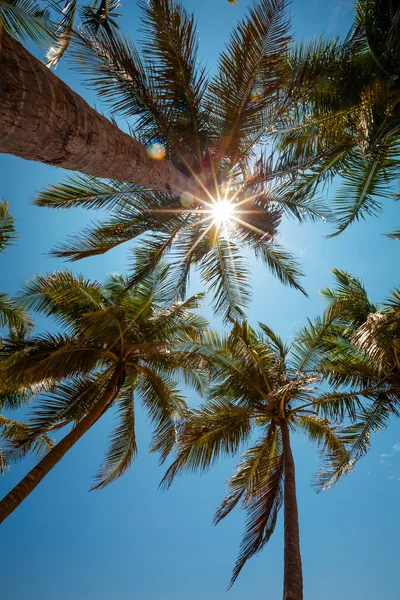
x,y
293,575
42,119
35,476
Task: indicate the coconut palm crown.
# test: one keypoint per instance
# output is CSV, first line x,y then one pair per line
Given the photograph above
x,y
345,116
118,346
208,127
355,345
257,393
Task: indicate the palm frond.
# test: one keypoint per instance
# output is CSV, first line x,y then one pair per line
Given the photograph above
x,y
171,47
225,273
262,505
64,33
216,428
165,406
249,80
12,433
95,18
113,66
7,226
13,315
122,446
280,263
26,20
63,295
47,357
87,192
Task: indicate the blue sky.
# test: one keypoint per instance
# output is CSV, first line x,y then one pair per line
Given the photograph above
x,y
132,542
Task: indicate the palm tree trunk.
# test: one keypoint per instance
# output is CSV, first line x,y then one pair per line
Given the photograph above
x,y
42,119
293,574
35,476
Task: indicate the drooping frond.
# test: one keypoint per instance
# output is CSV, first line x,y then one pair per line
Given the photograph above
x,y
363,183
260,475
348,300
165,406
218,427
64,33
357,439
276,341
226,275
11,433
280,263
122,445
69,402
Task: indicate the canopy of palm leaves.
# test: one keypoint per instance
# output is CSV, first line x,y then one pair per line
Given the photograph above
x,y
208,127
52,21
138,330
256,385
27,20
355,345
345,117
14,317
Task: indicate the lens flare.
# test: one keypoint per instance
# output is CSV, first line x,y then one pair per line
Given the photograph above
x,y
223,211
156,150
257,93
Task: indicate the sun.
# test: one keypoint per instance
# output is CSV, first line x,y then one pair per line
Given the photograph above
x,y
222,211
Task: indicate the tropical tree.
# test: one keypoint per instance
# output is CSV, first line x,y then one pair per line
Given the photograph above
x,y
210,129
14,318
256,389
35,20
117,345
345,117
355,346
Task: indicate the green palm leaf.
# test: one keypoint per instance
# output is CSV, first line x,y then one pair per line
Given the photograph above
x,y
26,20
122,446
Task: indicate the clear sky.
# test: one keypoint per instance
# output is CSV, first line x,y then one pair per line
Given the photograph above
x,y
132,542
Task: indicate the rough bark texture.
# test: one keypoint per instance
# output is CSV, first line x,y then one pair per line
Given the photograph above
x,y
42,119
22,490
293,573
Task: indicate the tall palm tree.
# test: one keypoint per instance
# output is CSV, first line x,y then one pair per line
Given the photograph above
x,y
345,117
117,345
14,318
256,387
210,129
355,346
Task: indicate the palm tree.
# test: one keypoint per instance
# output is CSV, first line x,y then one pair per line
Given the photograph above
x,y
256,386
14,317
345,117
117,345
355,346
210,129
